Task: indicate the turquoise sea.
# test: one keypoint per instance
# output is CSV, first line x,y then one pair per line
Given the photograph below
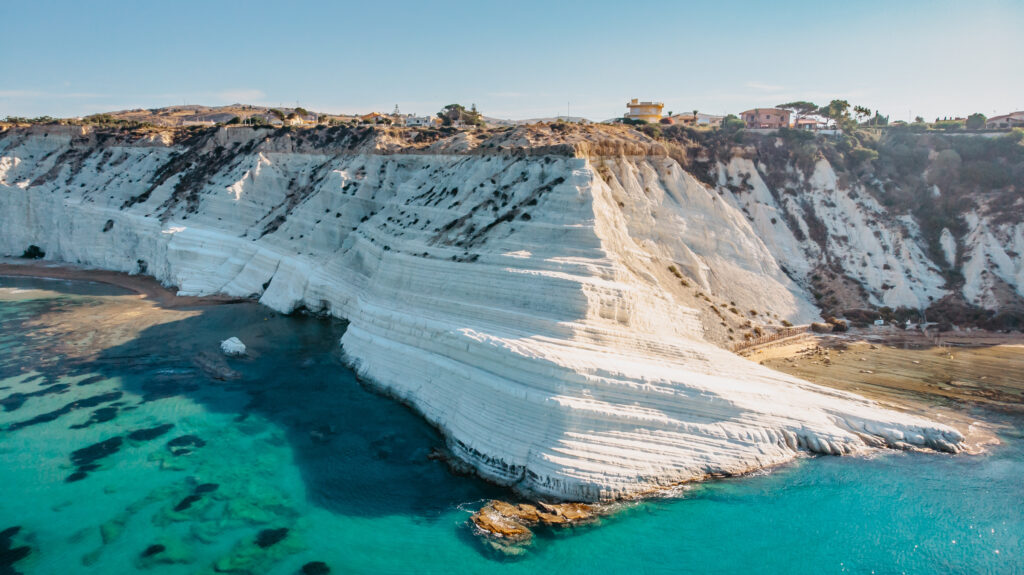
x,y
129,443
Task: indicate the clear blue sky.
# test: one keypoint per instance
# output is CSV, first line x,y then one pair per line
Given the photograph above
x,y
516,59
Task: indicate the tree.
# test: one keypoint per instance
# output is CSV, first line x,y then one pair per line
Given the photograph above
x,y
276,112
458,113
918,120
302,112
861,112
731,123
976,121
836,111
800,109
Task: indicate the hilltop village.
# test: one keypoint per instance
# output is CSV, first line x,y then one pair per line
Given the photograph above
x,y
829,119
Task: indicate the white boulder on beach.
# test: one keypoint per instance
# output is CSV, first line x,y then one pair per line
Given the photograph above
x,y
233,347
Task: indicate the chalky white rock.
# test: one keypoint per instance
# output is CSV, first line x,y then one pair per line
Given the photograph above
x,y
518,299
232,346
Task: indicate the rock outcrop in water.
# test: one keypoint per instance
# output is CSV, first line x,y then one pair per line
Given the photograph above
x,y
507,526
550,300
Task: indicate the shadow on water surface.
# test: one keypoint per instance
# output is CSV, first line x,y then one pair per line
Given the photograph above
x,y
359,453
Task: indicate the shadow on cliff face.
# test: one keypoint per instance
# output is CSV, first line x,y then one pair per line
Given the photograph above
x,y
358,453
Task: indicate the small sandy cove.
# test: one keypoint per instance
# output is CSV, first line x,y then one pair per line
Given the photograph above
x,y
140,284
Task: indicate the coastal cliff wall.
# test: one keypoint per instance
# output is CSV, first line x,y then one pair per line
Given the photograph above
x,y
554,313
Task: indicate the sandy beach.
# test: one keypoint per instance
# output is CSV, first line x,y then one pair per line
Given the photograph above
x,y
85,332
143,285
945,378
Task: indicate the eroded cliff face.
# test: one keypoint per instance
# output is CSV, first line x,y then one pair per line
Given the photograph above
x,y
550,301
922,227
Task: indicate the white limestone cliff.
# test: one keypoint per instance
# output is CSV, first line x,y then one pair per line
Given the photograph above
x,y
519,297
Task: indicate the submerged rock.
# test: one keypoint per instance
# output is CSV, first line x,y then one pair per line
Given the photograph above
x,y
68,408
187,502
315,568
269,537
91,380
15,400
185,444
150,433
101,415
232,347
85,459
206,487
95,452
257,555
166,551
153,550
9,553
215,367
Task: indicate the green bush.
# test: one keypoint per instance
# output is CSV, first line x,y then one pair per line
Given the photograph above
x,y
731,124
948,125
33,252
651,130
860,155
976,121
987,174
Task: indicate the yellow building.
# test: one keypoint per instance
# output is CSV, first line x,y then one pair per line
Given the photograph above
x,y
646,111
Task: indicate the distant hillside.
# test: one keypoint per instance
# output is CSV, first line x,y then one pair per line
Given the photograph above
x,y
177,115
182,115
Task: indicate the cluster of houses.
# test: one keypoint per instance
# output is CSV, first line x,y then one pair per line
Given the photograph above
x,y
398,119
648,111
1011,120
757,118
651,112
768,118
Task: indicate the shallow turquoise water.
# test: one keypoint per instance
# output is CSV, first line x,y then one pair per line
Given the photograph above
x,y
288,440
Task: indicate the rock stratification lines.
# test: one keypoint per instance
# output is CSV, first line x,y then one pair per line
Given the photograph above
x,y
516,294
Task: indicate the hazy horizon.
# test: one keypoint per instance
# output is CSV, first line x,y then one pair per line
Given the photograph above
x,y
932,59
